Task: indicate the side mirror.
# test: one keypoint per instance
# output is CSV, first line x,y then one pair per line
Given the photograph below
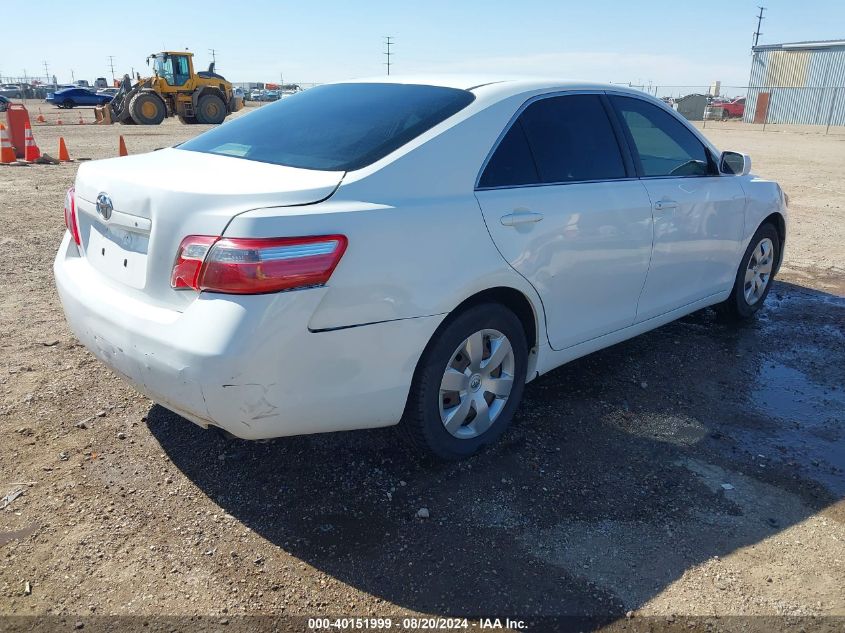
x,y
735,164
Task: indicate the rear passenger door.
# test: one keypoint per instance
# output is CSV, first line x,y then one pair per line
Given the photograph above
x,y
563,205
698,213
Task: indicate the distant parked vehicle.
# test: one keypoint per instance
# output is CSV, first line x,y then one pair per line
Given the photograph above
x,y
12,91
733,109
255,95
72,97
4,103
272,95
101,82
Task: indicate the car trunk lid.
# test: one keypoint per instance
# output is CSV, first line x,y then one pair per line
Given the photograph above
x,y
150,202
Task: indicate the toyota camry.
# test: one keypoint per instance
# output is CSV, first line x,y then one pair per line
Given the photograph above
x,y
407,251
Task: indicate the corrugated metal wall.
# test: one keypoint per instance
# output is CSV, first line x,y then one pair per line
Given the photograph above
x,y
803,85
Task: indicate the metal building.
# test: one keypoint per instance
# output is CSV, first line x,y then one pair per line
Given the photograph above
x,y
799,82
692,106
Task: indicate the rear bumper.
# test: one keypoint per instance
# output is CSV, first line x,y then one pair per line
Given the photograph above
x,y
246,364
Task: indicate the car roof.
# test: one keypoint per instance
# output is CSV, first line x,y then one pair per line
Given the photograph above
x,y
489,89
497,85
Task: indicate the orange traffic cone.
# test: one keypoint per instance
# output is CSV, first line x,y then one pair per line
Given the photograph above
x,y
7,153
59,119
81,122
121,151
40,118
63,155
31,151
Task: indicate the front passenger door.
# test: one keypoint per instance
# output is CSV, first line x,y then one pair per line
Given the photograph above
x,y
564,208
699,215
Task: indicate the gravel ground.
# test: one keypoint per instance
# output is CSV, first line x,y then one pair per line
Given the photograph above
x,y
697,470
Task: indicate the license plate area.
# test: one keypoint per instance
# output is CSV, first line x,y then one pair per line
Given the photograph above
x,y
119,254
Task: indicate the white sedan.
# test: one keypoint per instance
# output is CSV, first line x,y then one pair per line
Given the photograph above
x,y
407,251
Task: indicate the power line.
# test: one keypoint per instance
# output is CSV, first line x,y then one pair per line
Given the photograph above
x,y
760,19
388,40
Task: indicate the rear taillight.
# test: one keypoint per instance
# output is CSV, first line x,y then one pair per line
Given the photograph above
x,y
189,259
255,265
70,215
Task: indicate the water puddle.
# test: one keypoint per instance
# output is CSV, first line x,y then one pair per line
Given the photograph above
x,y
808,423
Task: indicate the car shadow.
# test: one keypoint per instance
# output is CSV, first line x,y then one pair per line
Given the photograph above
x,y
623,470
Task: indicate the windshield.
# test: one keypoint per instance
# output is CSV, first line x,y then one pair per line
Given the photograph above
x,y
163,67
173,68
337,127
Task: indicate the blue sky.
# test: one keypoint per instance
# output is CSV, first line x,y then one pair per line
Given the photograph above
x,y
663,42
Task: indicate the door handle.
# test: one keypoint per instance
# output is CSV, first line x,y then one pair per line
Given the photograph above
x,y
663,205
522,217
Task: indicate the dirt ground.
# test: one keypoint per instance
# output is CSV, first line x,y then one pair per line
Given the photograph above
x,y
698,470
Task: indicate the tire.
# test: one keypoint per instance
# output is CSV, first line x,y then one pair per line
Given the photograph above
x,y
147,108
68,104
211,110
757,267
188,120
447,423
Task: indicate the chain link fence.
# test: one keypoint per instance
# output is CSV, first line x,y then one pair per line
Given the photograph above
x,y
819,109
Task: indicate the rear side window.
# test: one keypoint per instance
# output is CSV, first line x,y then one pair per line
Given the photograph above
x,y
512,164
664,145
557,140
336,127
572,139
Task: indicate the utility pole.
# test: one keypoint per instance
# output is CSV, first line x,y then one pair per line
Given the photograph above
x,y
760,19
72,77
388,40
213,56
111,65
46,72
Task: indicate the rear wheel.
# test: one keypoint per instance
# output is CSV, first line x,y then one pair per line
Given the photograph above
x,y
468,383
68,103
755,275
211,109
147,109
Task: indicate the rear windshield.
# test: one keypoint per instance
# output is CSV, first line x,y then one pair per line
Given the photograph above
x,y
337,127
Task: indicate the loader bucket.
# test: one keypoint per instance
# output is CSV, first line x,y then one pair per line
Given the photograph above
x,y
102,115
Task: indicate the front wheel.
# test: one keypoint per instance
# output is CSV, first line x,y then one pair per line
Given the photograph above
x,y
147,109
68,104
211,110
468,383
755,275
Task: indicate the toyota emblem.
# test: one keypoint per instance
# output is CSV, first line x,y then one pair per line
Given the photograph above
x,y
104,206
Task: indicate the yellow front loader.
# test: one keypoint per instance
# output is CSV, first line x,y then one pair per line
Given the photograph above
x,y
174,90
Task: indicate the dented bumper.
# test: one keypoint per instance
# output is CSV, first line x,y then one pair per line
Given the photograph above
x,y
247,364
